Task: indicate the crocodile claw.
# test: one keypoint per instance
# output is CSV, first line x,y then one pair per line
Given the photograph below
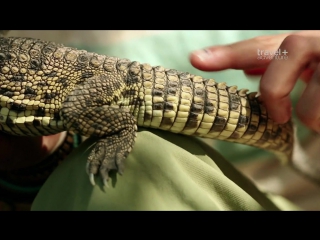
x,y
91,178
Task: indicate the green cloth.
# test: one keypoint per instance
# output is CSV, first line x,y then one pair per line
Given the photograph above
x,y
164,171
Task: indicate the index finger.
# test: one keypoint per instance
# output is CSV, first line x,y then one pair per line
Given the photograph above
x,y
282,74
240,55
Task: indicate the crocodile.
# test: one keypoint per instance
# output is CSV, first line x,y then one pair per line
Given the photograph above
x,y
47,88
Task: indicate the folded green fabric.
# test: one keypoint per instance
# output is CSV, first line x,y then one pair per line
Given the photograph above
x,y
165,171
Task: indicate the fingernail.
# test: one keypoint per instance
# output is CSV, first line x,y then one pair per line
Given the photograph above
x,y
203,54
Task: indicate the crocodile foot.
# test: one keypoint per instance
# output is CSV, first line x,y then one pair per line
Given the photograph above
x,y
110,153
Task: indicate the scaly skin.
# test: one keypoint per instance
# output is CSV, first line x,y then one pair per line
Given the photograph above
x,y
46,88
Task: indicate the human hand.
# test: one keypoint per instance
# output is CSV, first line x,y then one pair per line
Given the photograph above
x,y
19,152
279,75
